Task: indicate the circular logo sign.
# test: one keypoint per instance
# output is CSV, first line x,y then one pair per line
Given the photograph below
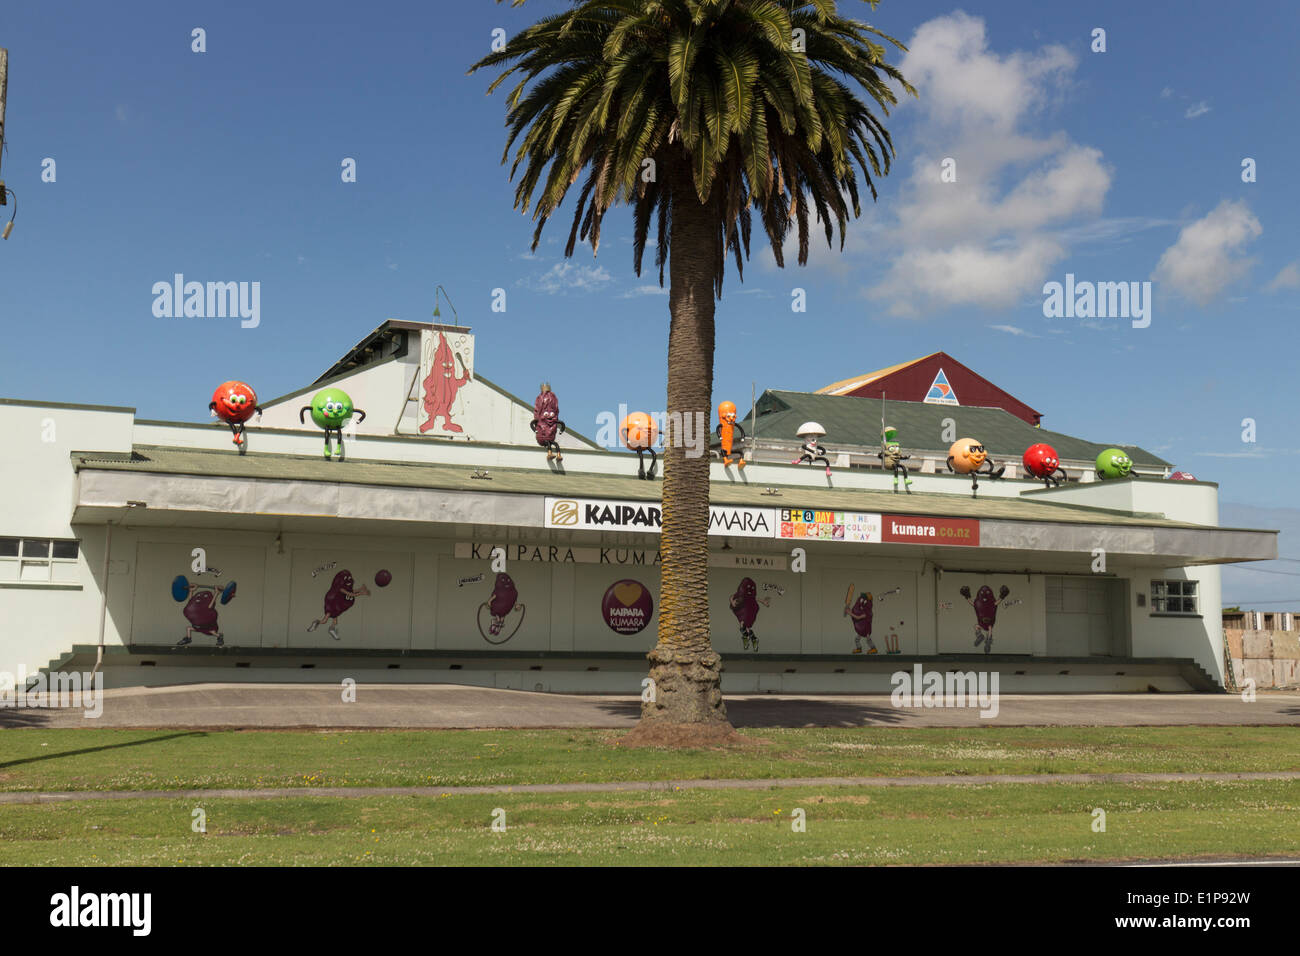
x,y
627,606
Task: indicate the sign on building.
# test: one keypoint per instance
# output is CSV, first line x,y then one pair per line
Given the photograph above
x,y
592,514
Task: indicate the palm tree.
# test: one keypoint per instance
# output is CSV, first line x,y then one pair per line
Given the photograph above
x,y
696,113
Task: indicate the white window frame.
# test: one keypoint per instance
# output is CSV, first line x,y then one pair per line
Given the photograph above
x,y
23,569
1165,590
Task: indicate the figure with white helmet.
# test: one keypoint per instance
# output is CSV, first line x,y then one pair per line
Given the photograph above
x,y
810,432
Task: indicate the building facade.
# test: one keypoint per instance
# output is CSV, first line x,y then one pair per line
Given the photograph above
x,y
465,555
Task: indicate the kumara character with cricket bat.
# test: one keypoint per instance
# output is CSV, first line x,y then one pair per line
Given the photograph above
x,y
861,613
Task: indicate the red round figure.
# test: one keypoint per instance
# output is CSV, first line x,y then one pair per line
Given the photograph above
x,y
1041,461
234,403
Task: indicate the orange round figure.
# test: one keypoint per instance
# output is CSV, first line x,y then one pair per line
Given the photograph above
x,y
234,403
967,456
727,429
638,433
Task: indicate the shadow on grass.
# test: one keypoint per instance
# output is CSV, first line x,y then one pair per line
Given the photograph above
x,y
804,712
91,750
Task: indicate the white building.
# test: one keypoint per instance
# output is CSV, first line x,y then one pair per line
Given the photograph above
x,y
1108,585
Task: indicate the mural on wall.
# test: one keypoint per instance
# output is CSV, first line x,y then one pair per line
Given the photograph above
x,y
445,368
744,604
200,609
342,594
862,614
627,606
986,607
503,609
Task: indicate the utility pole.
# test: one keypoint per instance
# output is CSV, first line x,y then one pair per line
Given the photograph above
x,y
4,92
4,88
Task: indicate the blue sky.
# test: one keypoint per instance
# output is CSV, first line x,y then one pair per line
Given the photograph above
x,y
225,165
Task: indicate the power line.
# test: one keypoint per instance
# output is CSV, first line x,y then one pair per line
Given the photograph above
x,y
1289,574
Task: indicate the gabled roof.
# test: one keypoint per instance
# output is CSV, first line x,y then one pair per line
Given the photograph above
x,y
856,421
846,385
915,380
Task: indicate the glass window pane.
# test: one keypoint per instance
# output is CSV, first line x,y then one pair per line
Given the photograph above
x,y
35,549
8,547
1189,587
1157,587
65,549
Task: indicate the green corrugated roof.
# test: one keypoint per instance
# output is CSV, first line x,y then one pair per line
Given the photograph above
x,y
207,463
849,420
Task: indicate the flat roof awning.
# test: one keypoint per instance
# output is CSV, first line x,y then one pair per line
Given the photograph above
x,y
198,488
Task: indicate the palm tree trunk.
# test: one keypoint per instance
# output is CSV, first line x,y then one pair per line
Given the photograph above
x,y
683,666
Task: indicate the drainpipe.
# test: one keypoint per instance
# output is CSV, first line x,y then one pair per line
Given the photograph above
x,y
103,601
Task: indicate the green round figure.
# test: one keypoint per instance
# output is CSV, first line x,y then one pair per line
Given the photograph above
x,y
331,409
1113,463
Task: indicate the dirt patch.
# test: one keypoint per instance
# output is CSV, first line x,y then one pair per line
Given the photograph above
x,y
669,736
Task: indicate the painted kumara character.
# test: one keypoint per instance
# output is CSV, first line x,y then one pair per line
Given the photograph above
x,y
234,403
546,422
638,433
891,457
441,386
1041,461
342,594
331,409
505,596
986,612
861,613
201,612
969,457
729,430
809,433
744,604
1113,463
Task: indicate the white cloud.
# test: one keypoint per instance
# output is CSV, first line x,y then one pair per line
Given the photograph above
x,y
1287,278
1166,93
569,277
1199,109
989,238
641,290
1014,330
1205,260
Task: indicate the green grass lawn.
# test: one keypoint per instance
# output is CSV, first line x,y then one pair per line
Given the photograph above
x,y
955,824
32,759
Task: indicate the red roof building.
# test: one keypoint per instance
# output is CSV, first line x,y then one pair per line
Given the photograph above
x,y
937,379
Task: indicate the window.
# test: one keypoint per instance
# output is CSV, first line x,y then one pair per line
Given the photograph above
x,y
38,561
1174,597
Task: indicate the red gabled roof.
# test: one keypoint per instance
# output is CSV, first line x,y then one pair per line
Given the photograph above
x,y
911,382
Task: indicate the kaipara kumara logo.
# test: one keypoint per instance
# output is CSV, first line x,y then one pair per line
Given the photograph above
x,y
564,512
